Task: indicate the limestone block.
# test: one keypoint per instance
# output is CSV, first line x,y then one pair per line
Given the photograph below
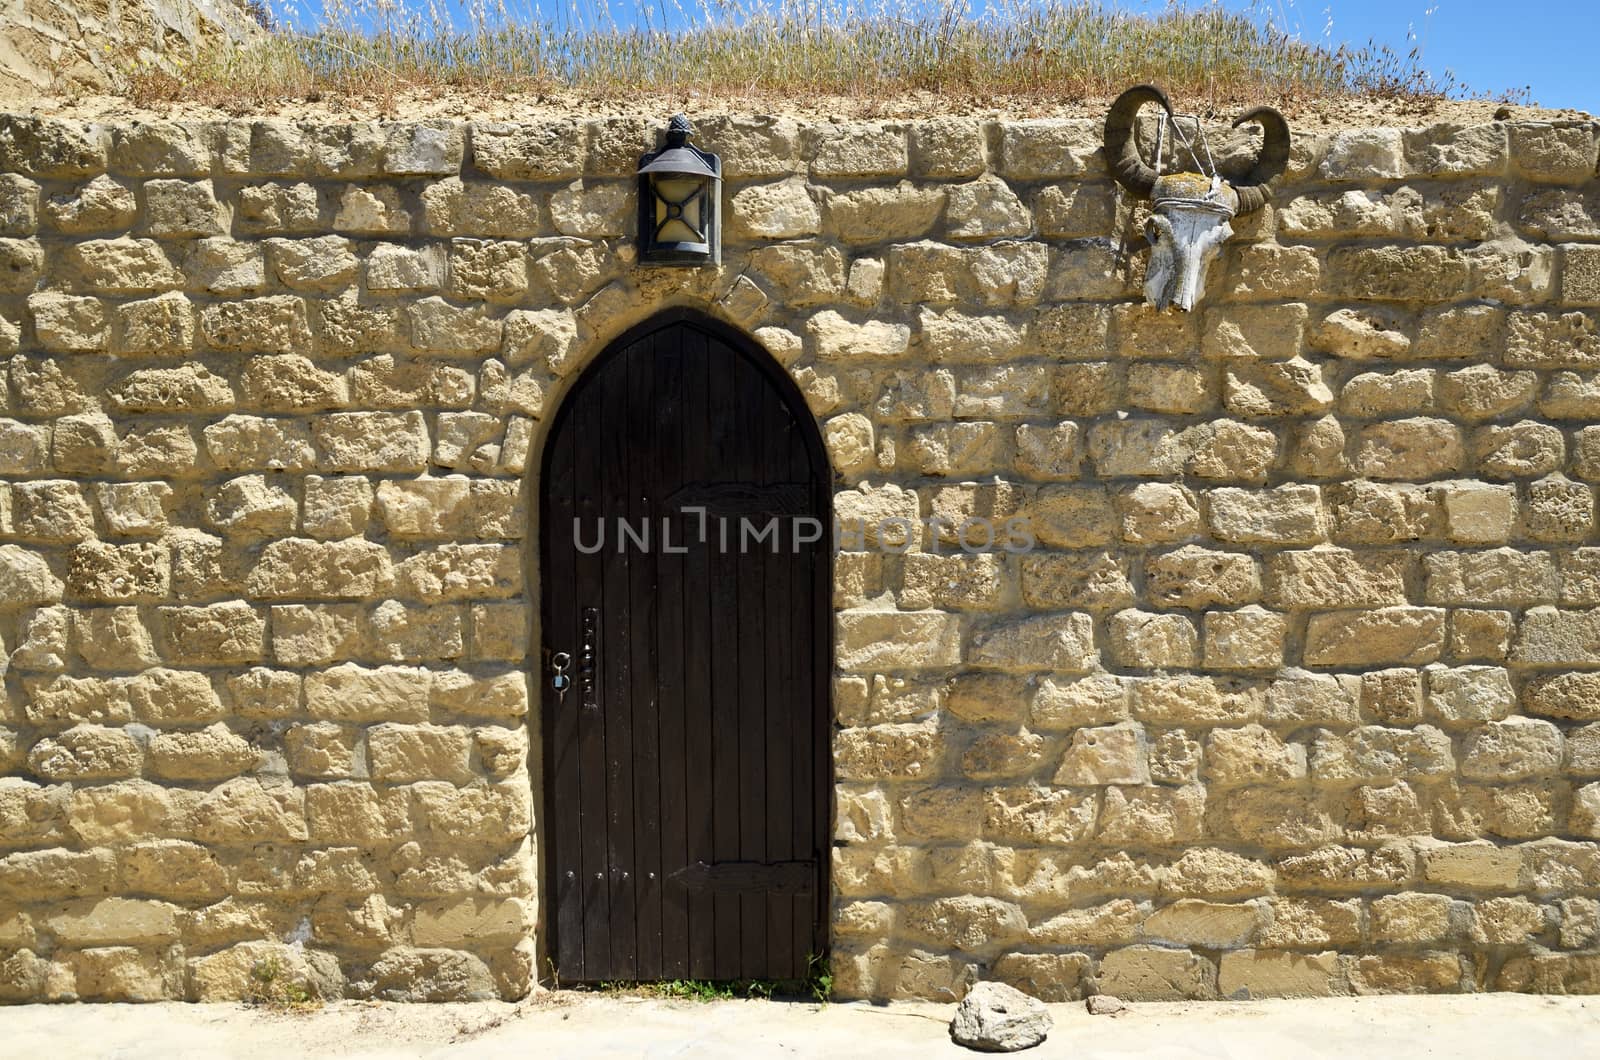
x,y
1464,696
1372,753
1148,639
895,640
264,969
782,210
26,577
350,692
176,209
1038,816
451,207
418,752
269,324
19,205
1558,153
1553,340
1548,637
859,150
1055,581
298,567
99,921
1195,578
1108,924
391,268
1456,150
1335,578
1048,148
530,151
245,811
1154,973
1074,211
1520,450
1061,703
455,572
253,443
402,633
1195,922
1194,700
86,752
99,205
835,338
1383,636
109,573
1228,451
496,813
946,147
1283,515
320,750
211,753
1276,388
1154,816
1512,749
232,632
1072,516
1158,512
1252,755
1050,977
1251,638
1495,577
1258,973
1268,332
260,692
114,638
986,208
1063,643
1483,392
1306,922
1112,754
372,441
1363,154
66,323
352,812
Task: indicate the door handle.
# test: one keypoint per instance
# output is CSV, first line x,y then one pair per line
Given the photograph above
x,y
559,681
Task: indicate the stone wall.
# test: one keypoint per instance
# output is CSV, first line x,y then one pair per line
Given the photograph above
x,y
1299,691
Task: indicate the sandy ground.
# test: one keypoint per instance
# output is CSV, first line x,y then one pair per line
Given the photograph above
x,y
1501,1026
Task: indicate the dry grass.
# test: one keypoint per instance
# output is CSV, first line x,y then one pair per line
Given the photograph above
x,y
1060,50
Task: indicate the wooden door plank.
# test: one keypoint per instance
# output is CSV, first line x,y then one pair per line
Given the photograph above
x,y
644,411
725,443
753,605
563,787
589,811
779,701
698,602
673,614
616,621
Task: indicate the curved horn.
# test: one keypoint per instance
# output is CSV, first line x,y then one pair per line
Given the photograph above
x,y
1255,187
1122,154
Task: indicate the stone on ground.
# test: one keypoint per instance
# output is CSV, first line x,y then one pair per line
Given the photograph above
x,y
996,1018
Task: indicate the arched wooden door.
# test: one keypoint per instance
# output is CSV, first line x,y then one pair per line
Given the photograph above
x,y
687,763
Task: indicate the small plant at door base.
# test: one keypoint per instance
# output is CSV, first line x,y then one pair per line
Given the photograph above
x,y
817,985
819,977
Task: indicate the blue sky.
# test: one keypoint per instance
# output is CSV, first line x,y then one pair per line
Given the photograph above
x,y
1548,46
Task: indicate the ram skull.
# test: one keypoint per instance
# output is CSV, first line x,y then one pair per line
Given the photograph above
x,y
1190,211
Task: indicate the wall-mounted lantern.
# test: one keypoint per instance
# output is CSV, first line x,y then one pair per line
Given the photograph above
x,y
680,187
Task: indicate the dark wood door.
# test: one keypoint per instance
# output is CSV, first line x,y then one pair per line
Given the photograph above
x,y
687,765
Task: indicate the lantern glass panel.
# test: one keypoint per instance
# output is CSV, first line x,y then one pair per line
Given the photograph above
x,y
678,201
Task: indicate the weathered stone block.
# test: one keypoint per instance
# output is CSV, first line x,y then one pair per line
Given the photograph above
x,y
1383,636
